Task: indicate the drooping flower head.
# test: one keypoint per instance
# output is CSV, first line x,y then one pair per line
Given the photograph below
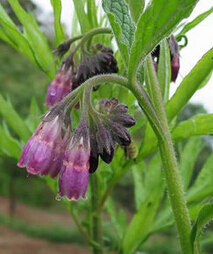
x,y
74,176
62,84
111,128
99,60
44,151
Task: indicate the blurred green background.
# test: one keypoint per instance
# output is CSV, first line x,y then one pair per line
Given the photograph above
x,y
27,205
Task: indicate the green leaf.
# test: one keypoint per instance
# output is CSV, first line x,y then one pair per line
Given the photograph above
x,y
17,40
13,119
142,221
136,8
83,18
92,11
190,84
164,69
206,80
35,38
8,145
204,217
195,22
139,188
118,223
5,38
157,22
35,115
202,186
122,25
59,33
187,159
198,125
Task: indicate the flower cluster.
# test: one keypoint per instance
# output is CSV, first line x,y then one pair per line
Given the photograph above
x,y
99,60
174,54
109,127
51,150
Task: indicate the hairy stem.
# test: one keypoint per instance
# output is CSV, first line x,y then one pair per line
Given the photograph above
x,y
173,179
97,236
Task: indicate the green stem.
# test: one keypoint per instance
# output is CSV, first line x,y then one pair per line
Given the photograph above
x,y
78,224
97,236
88,36
94,32
173,179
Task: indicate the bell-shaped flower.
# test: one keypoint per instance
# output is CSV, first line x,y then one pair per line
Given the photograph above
x,y
74,176
43,153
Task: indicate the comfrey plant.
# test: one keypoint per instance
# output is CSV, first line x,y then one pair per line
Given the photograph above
x,y
86,126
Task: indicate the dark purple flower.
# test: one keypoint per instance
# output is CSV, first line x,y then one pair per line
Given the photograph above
x,y
59,88
74,175
175,58
174,54
43,153
105,143
99,60
93,161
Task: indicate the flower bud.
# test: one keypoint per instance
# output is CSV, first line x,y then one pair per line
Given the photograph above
x,y
99,61
119,133
62,84
93,161
123,119
175,58
105,143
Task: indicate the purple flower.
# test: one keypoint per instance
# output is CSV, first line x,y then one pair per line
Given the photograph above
x,y
43,153
175,57
59,88
74,175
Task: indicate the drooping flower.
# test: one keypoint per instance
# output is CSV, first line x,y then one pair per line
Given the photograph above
x,y
100,60
43,153
74,176
175,58
61,85
108,129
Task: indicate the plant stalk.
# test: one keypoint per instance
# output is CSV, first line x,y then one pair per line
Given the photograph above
x,y
173,179
97,235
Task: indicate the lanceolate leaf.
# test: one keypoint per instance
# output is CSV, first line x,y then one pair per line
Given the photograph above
x,y
82,17
35,38
10,32
59,34
157,22
136,8
13,119
187,159
202,186
122,25
92,13
8,145
205,216
6,38
198,125
195,22
139,188
190,84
